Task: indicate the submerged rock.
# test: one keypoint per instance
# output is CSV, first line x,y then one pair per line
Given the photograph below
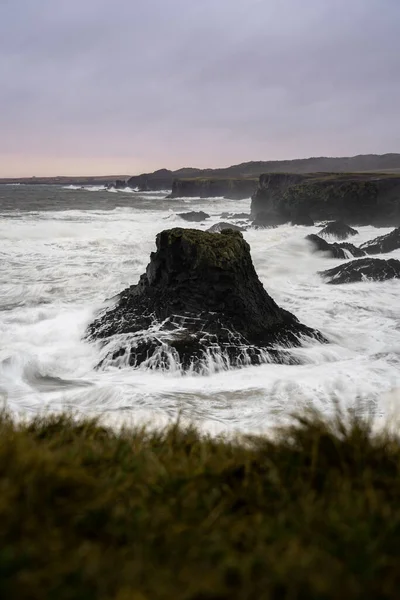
x,y
302,217
199,299
270,219
194,216
364,269
339,230
335,250
218,227
383,243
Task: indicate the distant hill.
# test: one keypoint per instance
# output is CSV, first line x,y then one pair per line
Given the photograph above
x,y
65,180
362,162
163,178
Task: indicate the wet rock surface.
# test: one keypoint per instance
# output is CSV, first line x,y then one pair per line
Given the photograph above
x,y
200,298
194,216
338,230
335,250
268,219
232,188
218,227
301,217
374,269
355,198
383,243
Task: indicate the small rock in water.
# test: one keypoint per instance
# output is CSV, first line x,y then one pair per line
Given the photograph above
x,y
375,269
264,220
383,243
339,230
335,250
200,300
218,227
194,216
301,217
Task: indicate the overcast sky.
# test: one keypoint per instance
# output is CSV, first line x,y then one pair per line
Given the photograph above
x,y
125,86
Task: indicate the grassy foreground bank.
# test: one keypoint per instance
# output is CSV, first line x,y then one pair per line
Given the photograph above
x,y
87,513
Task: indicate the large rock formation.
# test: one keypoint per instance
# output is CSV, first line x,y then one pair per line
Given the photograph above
x,y
363,269
234,189
383,243
199,298
301,217
119,184
334,250
338,230
157,181
357,199
268,207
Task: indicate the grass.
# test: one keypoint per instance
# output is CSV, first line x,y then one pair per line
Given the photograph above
x,y
90,513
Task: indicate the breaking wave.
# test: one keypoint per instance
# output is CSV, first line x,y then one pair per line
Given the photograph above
x,y
60,265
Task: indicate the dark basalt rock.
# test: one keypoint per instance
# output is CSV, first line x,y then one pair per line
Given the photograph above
x,y
232,188
120,184
301,217
339,230
354,251
383,243
354,198
335,250
203,292
365,268
194,216
218,227
270,219
157,181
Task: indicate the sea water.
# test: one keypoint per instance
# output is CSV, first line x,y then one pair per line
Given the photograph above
x,y
64,252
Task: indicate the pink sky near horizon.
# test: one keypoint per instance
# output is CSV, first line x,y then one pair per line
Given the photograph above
x,y
21,166
122,87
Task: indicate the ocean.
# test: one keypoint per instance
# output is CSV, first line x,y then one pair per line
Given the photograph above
x,y
65,251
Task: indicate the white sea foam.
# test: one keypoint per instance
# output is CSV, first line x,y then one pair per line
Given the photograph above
x,y
58,267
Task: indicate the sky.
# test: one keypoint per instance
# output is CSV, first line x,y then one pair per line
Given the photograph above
x,y
129,86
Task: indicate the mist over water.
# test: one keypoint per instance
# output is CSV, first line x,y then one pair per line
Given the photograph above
x,y
64,252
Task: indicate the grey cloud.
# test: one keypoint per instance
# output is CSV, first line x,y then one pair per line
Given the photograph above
x,y
216,81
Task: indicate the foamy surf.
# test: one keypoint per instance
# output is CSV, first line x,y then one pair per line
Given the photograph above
x,y
62,259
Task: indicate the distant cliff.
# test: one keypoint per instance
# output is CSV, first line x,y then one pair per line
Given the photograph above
x,y
234,189
358,199
163,178
67,180
159,180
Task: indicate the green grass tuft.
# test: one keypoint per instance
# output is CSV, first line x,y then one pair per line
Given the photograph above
x,y
90,513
